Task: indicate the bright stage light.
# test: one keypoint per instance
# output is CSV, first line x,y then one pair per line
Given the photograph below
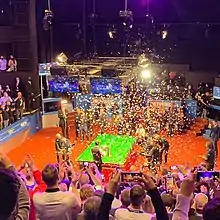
x,y
143,62
62,58
64,101
146,73
164,34
110,34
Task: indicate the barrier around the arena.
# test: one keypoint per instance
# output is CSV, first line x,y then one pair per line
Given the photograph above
x,y
191,105
15,134
86,102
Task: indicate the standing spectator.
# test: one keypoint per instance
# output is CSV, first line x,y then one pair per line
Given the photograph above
x,y
19,87
63,121
210,156
9,109
125,201
53,203
205,100
4,99
1,91
14,197
12,63
30,94
8,90
135,210
91,209
83,128
19,106
97,156
149,185
183,199
86,191
3,64
215,135
5,117
212,210
1,118
200,201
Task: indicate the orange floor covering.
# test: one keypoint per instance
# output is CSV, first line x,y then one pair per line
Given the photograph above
x,y
184,148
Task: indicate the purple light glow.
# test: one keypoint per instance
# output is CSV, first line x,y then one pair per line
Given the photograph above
x,y
144,2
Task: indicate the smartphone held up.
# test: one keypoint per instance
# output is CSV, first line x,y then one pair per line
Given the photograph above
x,y
207,175
130,176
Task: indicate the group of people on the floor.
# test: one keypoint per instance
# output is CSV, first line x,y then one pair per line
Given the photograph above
x,y
63,148
203,103
155,148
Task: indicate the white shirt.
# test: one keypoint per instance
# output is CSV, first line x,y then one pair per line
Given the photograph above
x,y
140,132
3,64
125,214
5,99
55,205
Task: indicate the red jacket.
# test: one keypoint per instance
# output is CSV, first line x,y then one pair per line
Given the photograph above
x,y
41,187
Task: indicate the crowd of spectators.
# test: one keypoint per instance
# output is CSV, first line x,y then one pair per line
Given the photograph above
x,y
10,65
60,192
12,104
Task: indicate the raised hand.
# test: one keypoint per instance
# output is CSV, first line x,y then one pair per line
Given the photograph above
x,y
113,183
5,162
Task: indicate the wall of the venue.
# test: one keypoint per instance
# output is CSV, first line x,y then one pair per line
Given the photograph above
x,y
15,134
195,78
192,77
19,38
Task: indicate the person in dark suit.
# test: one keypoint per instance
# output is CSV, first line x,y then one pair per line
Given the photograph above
x,y
63,122
11,111
19,106
97,156
209,158
215,135
63,148
83,127
30,94
164,145
77,122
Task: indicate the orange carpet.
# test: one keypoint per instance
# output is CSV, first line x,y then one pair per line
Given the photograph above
x,y
184,148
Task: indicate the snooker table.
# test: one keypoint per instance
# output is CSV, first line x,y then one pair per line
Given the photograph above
x,y
120,147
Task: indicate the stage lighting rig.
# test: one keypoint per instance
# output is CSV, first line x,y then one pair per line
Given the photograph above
x,y
48,15
126,14
47,20
112,32
145,73
143,61
62,59
127,18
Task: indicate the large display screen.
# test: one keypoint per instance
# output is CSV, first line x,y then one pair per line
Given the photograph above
x,y
44,68
64,84
216,92
106,86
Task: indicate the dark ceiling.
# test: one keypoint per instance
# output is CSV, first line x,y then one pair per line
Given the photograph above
x,y
162,10
193,29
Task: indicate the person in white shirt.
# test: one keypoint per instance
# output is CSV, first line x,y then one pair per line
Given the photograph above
x,y
3,64
140,132
4,99
53,203
135,210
